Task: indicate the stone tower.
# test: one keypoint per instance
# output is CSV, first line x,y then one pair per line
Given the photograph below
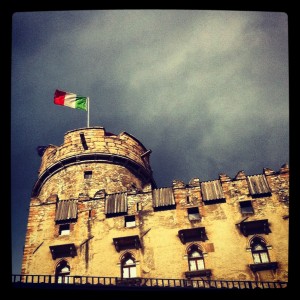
x,y
89,165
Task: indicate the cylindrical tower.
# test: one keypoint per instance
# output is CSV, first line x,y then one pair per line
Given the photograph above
x,y
84,186
91,159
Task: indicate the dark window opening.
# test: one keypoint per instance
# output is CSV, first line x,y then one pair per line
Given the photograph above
x,y
193,214
88,174
129,221
64,229
83,141
187,199
246,207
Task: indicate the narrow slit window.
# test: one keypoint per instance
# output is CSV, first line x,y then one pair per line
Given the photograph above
x,y
246,207
193,214
88,174
64,229
187,199
83,141
129,221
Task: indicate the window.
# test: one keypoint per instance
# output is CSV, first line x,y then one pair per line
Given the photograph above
x,y
193,214
128,266
88,174
129,221
195,259
259,251
62,272
246,207
83,141
64,229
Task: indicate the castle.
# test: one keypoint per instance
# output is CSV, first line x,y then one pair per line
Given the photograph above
x,y
96,211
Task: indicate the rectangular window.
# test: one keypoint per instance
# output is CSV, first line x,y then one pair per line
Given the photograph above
x,y
200,264
129,221
88,174
126,273
193,214
193,266
264,257
64,229
246,207
256,258
132,272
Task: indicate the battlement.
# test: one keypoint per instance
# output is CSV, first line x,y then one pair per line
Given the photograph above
x,y
112,156
96,140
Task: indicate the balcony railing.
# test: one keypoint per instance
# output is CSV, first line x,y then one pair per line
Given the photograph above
x,y
21,281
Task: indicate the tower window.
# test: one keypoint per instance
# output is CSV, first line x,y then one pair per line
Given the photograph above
x,y
88,174
129,221
64,229
83,141
246,207
193,214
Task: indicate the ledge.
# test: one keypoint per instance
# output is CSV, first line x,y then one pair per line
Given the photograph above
x,y
264,266
198,273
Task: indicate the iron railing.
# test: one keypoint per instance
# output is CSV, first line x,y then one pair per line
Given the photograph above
x,y
23,280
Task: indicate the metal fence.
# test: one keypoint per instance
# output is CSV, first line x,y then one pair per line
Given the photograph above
x,y
22,280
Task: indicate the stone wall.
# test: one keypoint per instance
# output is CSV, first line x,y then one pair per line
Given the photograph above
x,y
162,255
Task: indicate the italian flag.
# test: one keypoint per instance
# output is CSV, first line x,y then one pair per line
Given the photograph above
x,y
70,100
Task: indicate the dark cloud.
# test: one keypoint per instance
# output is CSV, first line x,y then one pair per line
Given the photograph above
x,y
207,91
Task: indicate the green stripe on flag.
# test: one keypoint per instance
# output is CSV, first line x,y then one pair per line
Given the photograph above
x,y
81,103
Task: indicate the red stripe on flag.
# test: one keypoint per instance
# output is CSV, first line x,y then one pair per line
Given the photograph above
x,y
59,97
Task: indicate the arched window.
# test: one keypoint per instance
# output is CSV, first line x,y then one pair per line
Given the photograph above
x,y
259,251
195,258
128,266
62,272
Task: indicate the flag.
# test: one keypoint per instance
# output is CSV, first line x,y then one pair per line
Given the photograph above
x,y
70,100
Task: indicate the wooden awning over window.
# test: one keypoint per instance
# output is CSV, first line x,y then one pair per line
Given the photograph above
x,y
212,192
116,203
254,227
163,197
65,250
192,235
258,186
127,242
66,210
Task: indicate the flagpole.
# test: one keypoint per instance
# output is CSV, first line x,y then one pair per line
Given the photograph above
x,y
88,111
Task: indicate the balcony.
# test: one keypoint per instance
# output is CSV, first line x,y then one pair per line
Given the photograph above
x,y
198,273
113,283
264,266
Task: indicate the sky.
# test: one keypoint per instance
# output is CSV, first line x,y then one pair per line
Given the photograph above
x,y
206,90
